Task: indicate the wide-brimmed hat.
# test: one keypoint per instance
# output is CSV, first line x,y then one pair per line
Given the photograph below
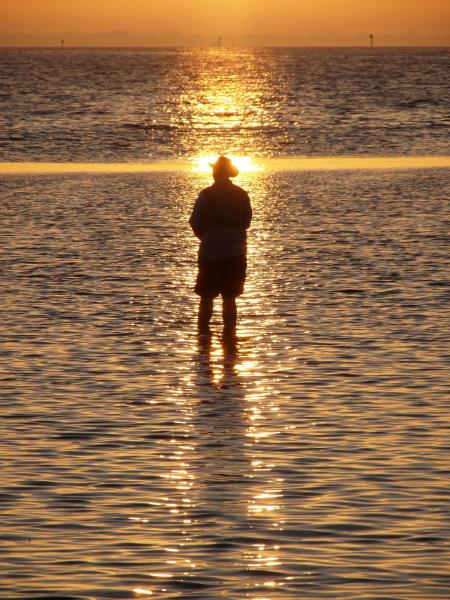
x,y
224,167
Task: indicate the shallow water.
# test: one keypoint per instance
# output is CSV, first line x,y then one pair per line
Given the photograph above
x,y
308,460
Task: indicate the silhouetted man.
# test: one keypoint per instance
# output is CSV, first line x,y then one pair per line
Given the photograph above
x,y
220,219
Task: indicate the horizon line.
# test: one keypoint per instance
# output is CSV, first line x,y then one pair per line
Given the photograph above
x,y
57,46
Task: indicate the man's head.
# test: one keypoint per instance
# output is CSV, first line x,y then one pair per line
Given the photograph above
x,y
224,168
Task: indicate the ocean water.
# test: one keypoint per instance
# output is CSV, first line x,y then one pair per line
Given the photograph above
x,y
131,105
308,459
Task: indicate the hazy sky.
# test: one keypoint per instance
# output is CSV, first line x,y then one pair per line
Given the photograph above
x,y
307,21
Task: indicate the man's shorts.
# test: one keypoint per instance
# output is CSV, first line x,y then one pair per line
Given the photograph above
x,y
223,276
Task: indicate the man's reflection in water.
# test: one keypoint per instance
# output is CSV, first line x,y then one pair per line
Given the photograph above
x,y
217,364
233,476
220,424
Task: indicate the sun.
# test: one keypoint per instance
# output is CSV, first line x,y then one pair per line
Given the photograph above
x,y
202,164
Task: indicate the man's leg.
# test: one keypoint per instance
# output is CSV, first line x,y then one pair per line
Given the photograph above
x,y
229,313
205,311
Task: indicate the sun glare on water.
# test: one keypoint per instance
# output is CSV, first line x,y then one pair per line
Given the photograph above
x,y
202,164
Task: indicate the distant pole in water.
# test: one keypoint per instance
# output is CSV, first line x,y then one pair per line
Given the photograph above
x,y
62,44
219,42
371,40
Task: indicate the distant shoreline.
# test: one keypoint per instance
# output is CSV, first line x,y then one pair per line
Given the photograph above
x,y
224,47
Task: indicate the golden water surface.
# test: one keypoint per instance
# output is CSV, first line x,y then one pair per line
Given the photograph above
x,y
308,459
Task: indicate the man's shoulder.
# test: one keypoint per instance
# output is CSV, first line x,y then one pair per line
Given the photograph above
x,y
206,190
239,191
203,194
231,189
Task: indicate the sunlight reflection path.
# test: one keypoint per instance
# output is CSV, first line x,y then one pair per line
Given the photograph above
x,y
236,423
214,409
221,492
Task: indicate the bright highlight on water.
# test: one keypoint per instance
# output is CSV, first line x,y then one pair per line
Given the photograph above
x,y
246,165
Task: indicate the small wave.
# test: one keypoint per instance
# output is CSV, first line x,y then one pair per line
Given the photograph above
x,y
417,102
225,113
151,126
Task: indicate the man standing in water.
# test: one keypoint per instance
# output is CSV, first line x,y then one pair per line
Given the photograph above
x,y
220,219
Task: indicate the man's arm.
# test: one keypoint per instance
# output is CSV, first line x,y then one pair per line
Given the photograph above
x,y
247,212
196,217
